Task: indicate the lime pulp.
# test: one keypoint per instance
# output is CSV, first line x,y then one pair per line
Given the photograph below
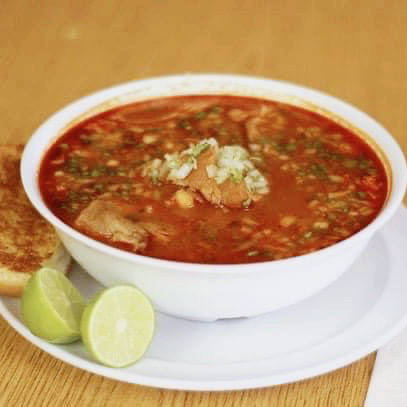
x,y
117,325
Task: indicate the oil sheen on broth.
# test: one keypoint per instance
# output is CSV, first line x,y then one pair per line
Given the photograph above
x,y
213,179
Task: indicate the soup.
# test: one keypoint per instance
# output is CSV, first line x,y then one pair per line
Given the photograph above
x,y
213,179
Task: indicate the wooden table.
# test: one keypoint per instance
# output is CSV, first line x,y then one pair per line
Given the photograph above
x,y
52,52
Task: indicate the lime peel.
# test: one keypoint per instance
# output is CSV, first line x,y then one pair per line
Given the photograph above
x,y
52,307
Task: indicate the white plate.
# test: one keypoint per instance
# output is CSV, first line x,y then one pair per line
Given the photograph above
x,y
354,316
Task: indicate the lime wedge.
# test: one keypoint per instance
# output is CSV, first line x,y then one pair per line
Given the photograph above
x,y
117,325
52,307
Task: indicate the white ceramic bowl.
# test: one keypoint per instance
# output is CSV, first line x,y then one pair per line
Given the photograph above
x,y
210,292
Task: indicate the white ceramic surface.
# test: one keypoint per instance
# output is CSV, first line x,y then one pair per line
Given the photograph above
x,y
354,316
205,292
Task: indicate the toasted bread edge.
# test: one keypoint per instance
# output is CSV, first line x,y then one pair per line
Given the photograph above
x,y
12,282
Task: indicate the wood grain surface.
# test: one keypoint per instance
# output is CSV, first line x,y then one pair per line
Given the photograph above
x,y
52,52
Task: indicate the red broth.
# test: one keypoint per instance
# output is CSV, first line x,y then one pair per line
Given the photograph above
x,y
325,183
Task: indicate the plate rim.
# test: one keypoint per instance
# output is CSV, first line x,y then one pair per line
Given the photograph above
x,y
344,358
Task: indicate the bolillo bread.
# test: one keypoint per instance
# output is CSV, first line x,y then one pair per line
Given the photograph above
x,y
27,241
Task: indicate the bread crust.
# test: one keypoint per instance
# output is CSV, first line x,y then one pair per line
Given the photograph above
x,y
27,241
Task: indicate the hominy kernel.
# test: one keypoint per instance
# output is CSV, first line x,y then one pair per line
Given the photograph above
x,y
150,138
321,225
336,178
112,163
287,221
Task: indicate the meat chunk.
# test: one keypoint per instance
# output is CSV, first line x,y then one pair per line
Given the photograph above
x,y
233,195
103,218
114,222
157,111
228,193
223,175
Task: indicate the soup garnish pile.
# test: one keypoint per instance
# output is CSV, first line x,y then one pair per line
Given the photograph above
x,y
213,179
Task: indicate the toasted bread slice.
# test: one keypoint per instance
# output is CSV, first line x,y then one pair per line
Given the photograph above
x,y
27,241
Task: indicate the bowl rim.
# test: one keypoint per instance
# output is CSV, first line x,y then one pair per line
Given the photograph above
x,y
69,115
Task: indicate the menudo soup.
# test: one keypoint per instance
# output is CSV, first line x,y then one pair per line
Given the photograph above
x,y
213,179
